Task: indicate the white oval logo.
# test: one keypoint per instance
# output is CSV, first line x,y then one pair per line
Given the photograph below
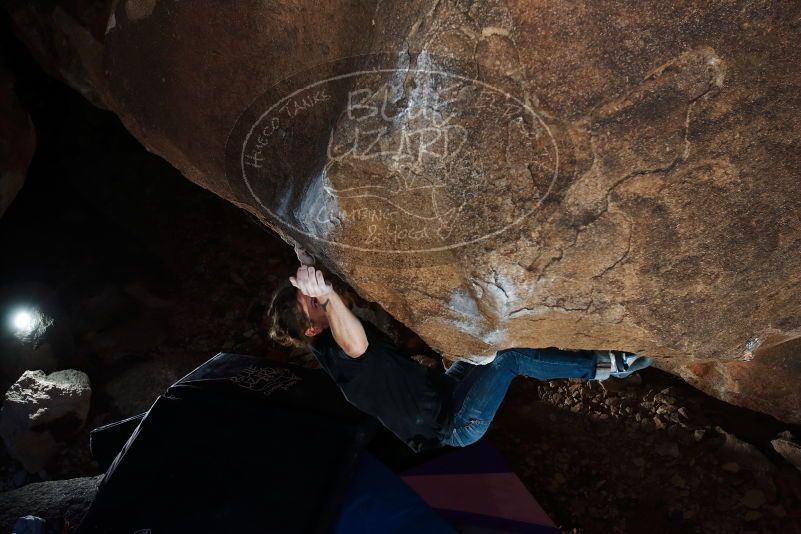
x,y
393,160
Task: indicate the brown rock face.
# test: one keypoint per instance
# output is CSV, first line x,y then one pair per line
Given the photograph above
x,y
505,173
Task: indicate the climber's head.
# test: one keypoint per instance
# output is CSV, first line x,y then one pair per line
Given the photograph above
x,y
293,319
310,306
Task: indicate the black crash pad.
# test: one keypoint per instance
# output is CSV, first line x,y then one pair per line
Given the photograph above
x,y
238,445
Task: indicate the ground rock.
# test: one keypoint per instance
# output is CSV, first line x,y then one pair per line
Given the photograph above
x,y
789,450
731,467
753,498
40,411
641,193
667,448
68,499
747,456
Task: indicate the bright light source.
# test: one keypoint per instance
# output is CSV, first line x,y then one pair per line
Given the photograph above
x,y
28,323
24,321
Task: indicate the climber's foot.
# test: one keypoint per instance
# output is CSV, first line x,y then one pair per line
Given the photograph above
x,y
619,364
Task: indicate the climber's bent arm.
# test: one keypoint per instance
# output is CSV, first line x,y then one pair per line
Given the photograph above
x,y
346,328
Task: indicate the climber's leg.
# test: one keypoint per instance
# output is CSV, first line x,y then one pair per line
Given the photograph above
x,y
552,364
479,390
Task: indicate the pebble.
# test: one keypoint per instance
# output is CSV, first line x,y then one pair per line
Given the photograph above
x,y
666,448
778,511
673,417
677,481
752,515
664,399
753,499
731,467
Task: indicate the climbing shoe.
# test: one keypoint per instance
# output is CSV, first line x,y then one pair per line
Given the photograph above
x,y
619,364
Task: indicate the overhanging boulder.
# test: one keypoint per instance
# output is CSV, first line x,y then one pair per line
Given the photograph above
x,y
581,175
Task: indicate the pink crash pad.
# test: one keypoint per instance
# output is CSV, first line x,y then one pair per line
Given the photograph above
x,y
474,487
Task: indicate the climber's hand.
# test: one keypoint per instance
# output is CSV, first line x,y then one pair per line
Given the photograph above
x,y
303,256
310,282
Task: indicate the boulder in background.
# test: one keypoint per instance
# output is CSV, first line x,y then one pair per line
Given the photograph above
x,y
40,411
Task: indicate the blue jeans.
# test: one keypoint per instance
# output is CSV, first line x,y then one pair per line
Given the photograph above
x,y
478,390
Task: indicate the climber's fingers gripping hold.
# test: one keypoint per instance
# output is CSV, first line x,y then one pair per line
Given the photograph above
x,y
316,285
311,282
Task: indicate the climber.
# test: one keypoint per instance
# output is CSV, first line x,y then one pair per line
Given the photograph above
x,y
422,406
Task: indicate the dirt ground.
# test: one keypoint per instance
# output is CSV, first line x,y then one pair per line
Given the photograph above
x,y
156,275
649,454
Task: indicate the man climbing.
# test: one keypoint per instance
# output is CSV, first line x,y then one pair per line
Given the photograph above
x,y
424,407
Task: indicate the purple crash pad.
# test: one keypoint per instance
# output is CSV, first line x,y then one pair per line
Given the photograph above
x,y
474,489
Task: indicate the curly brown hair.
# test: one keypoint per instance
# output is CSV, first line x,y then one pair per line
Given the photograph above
x,y
285,321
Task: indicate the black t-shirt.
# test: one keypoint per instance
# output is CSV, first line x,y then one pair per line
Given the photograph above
x,y
411,400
